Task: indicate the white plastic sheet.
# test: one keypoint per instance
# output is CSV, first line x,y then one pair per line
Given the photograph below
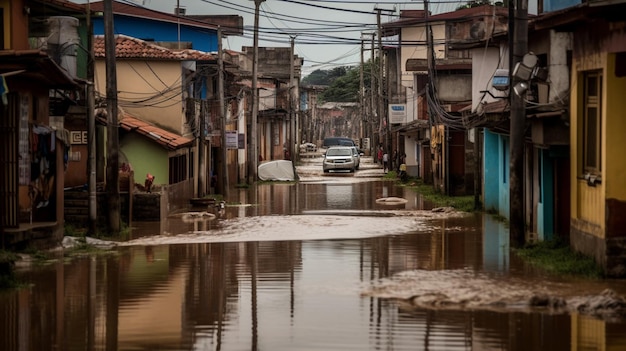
x,y
276,170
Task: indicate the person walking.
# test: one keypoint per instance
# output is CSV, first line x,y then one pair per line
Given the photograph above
x,y
385,162
380,155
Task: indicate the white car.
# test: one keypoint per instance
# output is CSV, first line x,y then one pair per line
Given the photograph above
x,y
339,158
357,156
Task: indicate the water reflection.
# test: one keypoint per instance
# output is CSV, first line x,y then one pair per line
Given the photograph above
x,y
290,295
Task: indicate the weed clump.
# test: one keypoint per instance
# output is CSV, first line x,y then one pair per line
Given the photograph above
x,y
555,256
7,269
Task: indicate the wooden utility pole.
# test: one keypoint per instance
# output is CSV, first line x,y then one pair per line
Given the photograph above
x,y
220,88
254,148
201,152
112,179
292,113
517,131
362,90
382,107
91,130
373,82
379,97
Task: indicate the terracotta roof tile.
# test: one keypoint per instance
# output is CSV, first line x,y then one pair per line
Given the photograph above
x,y
129,47
167,139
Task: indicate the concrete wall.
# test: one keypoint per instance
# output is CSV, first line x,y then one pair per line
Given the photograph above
x,y
454,87
161,81
145,156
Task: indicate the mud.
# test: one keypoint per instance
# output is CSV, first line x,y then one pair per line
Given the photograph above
x,y
463,289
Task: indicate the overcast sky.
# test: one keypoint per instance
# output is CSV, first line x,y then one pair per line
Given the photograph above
x,y
326,32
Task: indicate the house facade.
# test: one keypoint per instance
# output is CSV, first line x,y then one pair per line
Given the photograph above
x,y
597,128
39,84
546,175
178,32
436,87
157,132
279,74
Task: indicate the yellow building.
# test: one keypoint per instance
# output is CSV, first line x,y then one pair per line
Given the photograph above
x,y
597,131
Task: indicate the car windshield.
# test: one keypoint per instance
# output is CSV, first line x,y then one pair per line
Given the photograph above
x,y
339,152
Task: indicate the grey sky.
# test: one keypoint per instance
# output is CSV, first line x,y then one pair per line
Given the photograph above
x,y
327,32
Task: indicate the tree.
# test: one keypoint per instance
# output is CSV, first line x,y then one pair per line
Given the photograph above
x,y
325,77
343,89
343,82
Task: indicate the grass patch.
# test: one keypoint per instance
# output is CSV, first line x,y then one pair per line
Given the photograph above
x,y
7,270
460,203
558,258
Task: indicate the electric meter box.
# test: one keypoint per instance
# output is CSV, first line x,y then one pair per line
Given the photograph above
x,y
501,79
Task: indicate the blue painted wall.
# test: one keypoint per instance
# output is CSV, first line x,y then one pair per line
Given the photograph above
x,y
491,197
154,30
504,174
496,173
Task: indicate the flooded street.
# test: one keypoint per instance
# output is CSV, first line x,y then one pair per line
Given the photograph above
x,y
317,265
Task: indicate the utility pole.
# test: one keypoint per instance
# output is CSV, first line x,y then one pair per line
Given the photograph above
x,y
178,20
517,229
91,130
201,153
112,179
379,100
254,151
373,82
220,88
292,104
362,89
382,113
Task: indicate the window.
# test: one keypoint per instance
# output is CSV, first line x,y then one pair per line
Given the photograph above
x,y
592,122
178,169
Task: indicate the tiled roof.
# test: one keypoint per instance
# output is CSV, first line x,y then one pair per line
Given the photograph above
x,y
129,47
121,8
169,140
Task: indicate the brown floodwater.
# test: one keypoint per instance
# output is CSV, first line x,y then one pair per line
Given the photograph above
x,y
318,265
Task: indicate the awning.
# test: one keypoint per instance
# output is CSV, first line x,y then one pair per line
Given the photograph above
x,y
34,66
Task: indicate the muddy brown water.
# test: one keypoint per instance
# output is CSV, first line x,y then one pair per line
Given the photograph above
x,y
320,265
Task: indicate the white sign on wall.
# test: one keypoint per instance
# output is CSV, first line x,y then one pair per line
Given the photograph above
x,y
231,139
397,113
